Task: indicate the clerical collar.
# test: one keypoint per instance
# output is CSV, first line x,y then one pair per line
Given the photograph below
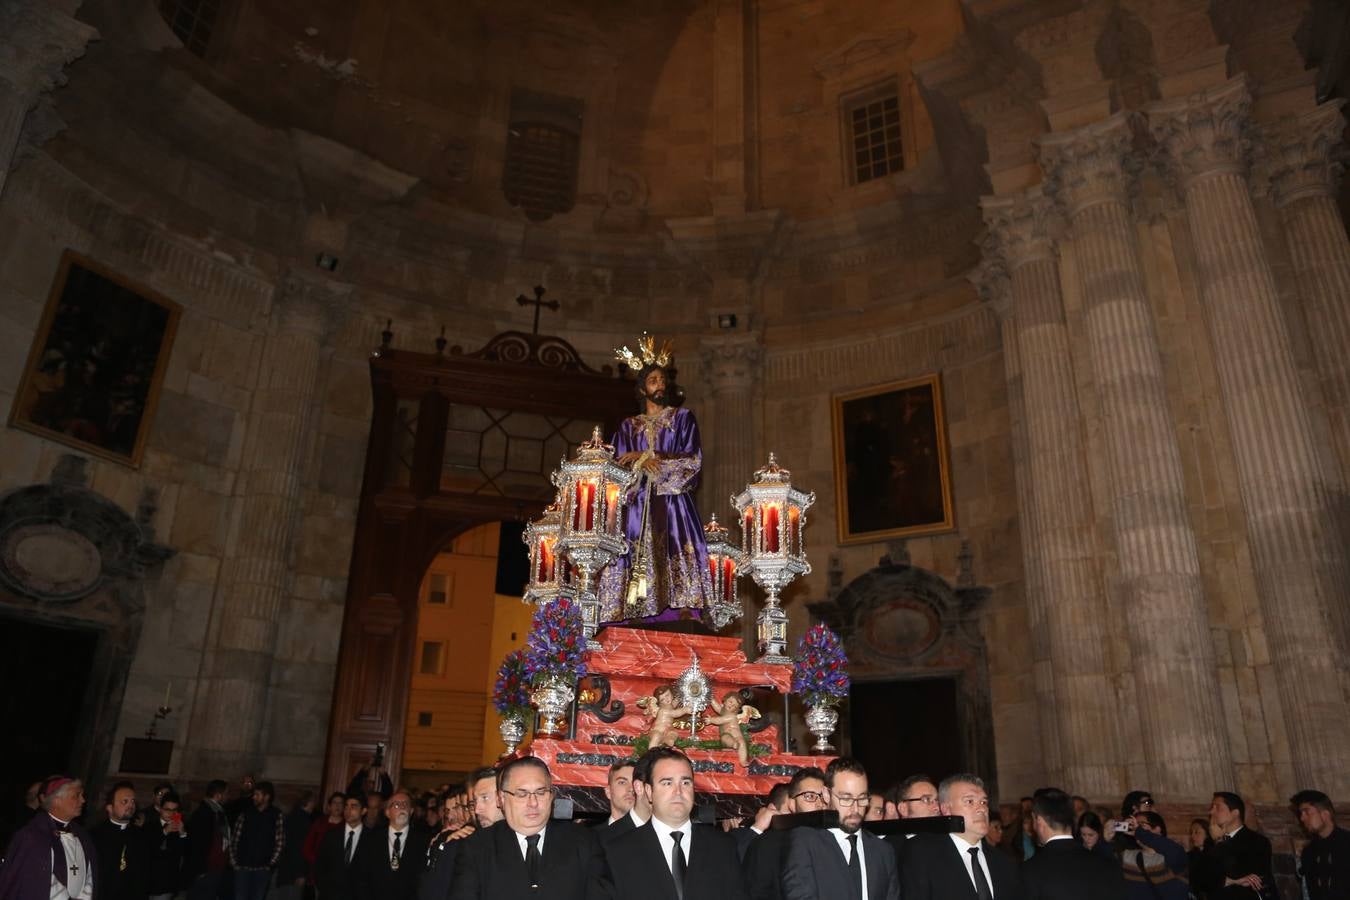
x,y
61,822
1059,837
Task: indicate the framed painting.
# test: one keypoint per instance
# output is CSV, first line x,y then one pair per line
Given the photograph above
x,y
97,362
891,471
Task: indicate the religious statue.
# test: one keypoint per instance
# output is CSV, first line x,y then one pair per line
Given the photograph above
x,y
661,709
664,576
731,714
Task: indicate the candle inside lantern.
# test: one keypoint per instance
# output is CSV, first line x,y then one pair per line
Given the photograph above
x,y
771,528
748,532
728,580
583,513
611,507
794,530
546,560
712,569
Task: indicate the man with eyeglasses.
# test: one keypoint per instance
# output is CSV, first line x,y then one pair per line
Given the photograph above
x,y
481,786
844,862
960,866
1134,803
526,855
916,799
395,856
671,858
767,853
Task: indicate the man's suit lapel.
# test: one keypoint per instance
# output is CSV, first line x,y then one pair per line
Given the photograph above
x,y
873,848
509,859
557,848
656,860
960,874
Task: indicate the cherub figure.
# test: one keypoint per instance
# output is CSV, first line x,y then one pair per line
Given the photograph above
x,y
663,712
731,714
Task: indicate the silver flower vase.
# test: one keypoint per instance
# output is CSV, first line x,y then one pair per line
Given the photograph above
x,y
821,720
552,696
512,730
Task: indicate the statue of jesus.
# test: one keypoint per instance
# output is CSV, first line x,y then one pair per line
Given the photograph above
x,y
664,575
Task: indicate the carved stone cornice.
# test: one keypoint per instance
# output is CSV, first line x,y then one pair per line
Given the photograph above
x,y
1304,155
732,363
1203,134
37,41
1023,227
1092,164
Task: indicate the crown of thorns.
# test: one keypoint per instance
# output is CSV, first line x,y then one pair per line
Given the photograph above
x,y
647,354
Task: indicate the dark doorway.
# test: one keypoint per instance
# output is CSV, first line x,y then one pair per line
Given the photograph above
x,y
899,728
54,663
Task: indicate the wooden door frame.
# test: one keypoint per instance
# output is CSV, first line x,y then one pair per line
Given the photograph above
x,y
401,528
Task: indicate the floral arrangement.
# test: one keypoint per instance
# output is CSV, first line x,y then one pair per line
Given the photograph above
x,y
556,645
511,693
820,671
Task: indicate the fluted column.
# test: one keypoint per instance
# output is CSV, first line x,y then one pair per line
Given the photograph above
x,y
230,713
1297,554
1184,739
1062,518
37,39
731,370
1304,168
992,282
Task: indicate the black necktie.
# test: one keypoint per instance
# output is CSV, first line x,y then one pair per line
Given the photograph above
x,y
398,851
981,883
854,866
532,859
677,863
347,850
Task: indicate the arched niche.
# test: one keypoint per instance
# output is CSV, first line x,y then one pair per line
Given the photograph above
x,y
423,486
71,558
899,622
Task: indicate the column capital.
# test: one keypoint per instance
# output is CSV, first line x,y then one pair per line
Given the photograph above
x,y
730,362
1092,164
311,305
1206,133
1304,155
1023,227
990,278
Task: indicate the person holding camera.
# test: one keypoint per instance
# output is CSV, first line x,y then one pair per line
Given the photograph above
x,y
168,841
1158,868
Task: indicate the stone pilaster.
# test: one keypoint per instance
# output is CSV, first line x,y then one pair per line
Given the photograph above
x,y
991,280
1061,507
230,714
1185,744
1304,160
731,367
37,40
1297,554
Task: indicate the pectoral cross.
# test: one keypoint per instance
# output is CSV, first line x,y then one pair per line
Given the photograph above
x,y
74,869
538,303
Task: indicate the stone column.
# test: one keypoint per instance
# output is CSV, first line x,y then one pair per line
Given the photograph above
x,y
992,282
1304,169
1061,507
1298,558
731,370
1164,610
733,106
230,714
37,40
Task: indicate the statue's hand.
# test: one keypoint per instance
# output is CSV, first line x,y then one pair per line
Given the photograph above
x,y
627,459
652,465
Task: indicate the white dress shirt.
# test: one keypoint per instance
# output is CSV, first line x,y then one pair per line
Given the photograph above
x,y
841,836
663,834
963,848
525,848
638,821
355,834
402,842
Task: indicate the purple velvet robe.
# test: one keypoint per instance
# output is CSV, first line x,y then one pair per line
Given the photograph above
x,y
678,577
27,870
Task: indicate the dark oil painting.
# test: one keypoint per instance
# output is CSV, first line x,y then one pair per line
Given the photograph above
x,y
97,362
890,461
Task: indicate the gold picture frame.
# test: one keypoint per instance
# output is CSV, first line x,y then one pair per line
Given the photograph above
x,y
892,472
97,363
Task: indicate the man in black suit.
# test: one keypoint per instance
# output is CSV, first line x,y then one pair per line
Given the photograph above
x,y
767,853
960,866
641,810
1241,858
916,798
481,786
843,862
394,858
619,789
341,851
1061,868
525,855
1324,866
670,858
775,803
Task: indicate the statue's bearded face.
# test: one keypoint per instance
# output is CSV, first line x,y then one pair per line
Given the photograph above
x,y
654,386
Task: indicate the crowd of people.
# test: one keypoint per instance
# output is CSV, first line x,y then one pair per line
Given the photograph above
x,y
499,837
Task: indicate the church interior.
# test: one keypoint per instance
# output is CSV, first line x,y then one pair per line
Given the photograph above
x,y
1047,301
